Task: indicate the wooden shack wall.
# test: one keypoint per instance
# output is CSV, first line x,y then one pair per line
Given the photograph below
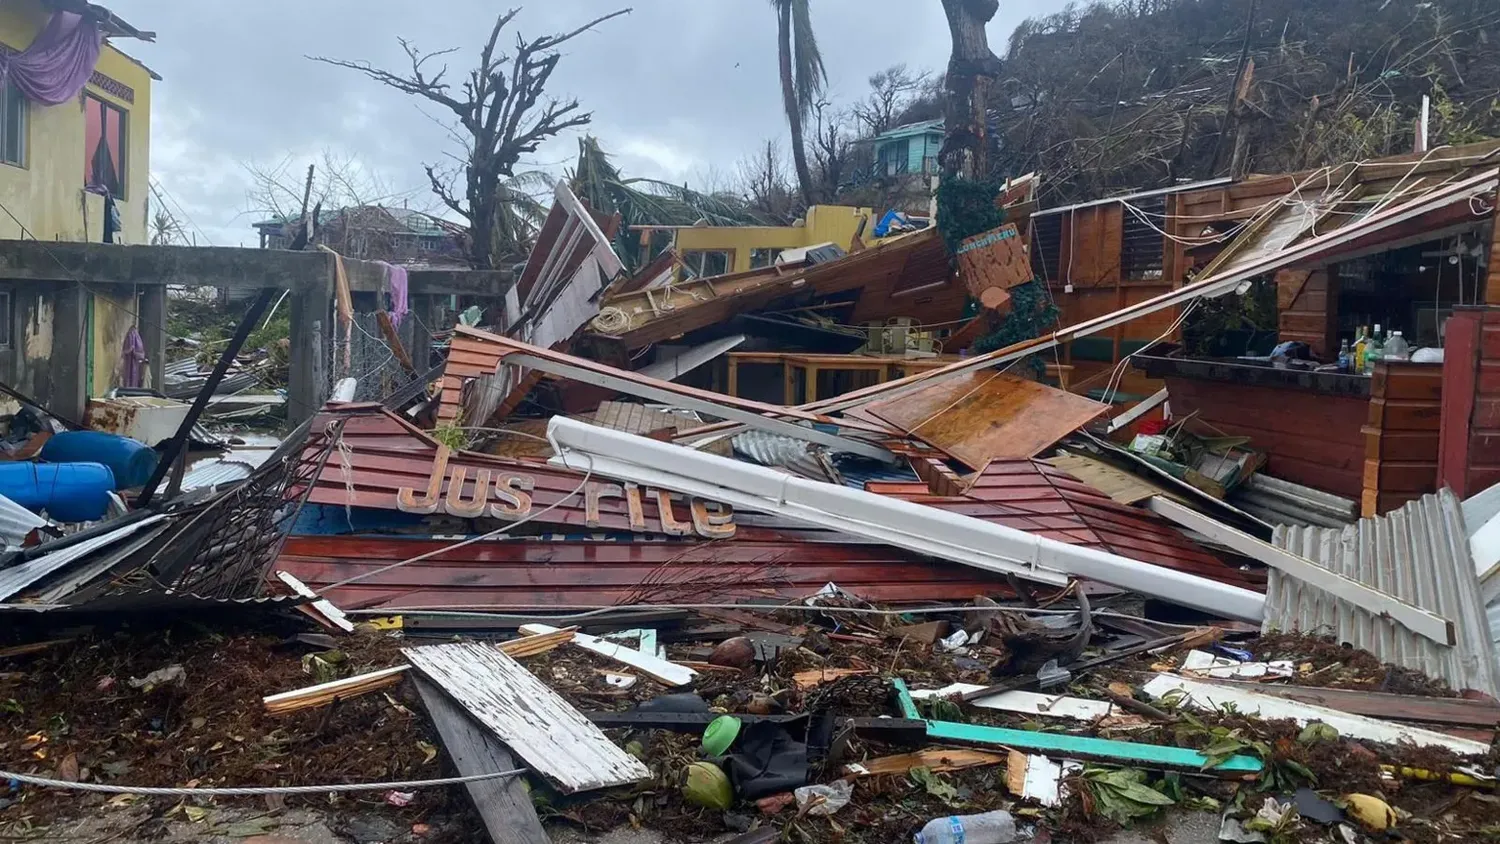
x,y
1313,439
1401,435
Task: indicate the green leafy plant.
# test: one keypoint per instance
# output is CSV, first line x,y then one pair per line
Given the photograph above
x,y
1122,795
936,786
451,436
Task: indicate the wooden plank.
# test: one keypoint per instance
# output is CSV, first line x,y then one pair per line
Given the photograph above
x,y
538,644
1432,710
1089,748
935,759
549,735
1118,484
989,416
324,694
1026,703
331,614
1492,280
660,669
814,677
504,805
1210,696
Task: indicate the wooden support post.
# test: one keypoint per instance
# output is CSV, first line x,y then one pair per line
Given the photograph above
x,y
503,804
788,384
734,377
1492,281
392,339
812,383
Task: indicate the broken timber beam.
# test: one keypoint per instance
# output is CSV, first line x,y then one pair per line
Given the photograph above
x,y
504,805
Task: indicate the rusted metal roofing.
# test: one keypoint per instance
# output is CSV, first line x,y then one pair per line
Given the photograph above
x,y
1418,553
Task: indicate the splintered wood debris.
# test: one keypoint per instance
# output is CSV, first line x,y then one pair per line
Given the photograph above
x,y
536,723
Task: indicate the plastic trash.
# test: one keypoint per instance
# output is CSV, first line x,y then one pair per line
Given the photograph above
x,y
824,799
954,642
995,827
1051,674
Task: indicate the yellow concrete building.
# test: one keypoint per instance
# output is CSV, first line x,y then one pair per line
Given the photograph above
x,y
48,154
716,250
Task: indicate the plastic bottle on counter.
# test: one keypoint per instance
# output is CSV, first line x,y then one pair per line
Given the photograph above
x,y
1373,350
995,827
1397,348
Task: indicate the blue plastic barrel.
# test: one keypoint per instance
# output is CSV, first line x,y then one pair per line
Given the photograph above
x,y
131,461
69,492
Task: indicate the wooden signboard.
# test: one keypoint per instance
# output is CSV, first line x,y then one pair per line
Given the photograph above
x,y
993,262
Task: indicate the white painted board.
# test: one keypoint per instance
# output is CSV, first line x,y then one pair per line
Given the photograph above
x,y
545,731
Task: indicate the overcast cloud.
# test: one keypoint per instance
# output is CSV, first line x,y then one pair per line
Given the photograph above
x,y
679,89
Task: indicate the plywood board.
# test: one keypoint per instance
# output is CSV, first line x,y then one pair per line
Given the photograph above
x,y
1122,486
988,416
537,724
994,259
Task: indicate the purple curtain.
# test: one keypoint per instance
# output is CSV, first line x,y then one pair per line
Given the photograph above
x,y
58,63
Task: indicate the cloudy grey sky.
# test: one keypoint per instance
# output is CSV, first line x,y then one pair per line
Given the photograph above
x,y
679,89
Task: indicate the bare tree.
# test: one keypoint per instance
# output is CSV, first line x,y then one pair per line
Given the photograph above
x,y
499,119
767,184
832,147
340,181
891,90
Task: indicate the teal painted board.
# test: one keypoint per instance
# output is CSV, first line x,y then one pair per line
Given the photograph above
x,y
1074,747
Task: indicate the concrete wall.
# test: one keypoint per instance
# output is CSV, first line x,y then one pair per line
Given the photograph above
x,y
46,196
47,193
822,224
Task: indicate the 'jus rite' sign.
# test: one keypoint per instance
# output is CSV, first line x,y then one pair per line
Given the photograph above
x,y
506,495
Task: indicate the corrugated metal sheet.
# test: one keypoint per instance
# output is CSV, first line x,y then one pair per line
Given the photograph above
x,y
16,522
1420,554
235,465
1279,502
13,580
795,456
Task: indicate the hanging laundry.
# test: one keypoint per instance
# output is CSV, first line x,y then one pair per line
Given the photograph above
x,y
396,285
343,303
133,360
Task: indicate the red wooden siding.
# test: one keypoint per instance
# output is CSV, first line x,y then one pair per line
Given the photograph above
x,y
1312,438
1401,436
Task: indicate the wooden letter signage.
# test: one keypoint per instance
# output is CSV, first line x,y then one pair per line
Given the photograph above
x,y
470,493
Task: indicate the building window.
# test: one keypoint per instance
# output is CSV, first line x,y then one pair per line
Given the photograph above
x,y
104,146
5,320
703,262
12,125
763,257
1141,242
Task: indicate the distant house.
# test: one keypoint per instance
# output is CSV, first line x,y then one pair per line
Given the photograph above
x,y
374,233
908,150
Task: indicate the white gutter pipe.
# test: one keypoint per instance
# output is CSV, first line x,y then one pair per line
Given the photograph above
x,y
915,527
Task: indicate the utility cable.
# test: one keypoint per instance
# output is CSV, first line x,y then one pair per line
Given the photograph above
x,y
253,791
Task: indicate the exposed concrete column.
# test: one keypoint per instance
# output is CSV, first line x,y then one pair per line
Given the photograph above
x,y
70,340
153,327
311,313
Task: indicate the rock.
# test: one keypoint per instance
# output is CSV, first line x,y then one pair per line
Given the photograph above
x,y
738,652
372,829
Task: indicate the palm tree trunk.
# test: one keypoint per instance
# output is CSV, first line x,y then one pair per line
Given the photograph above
x,y
789,100
971,68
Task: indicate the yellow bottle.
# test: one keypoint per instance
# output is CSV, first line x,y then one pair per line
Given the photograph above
x,y
1359,350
